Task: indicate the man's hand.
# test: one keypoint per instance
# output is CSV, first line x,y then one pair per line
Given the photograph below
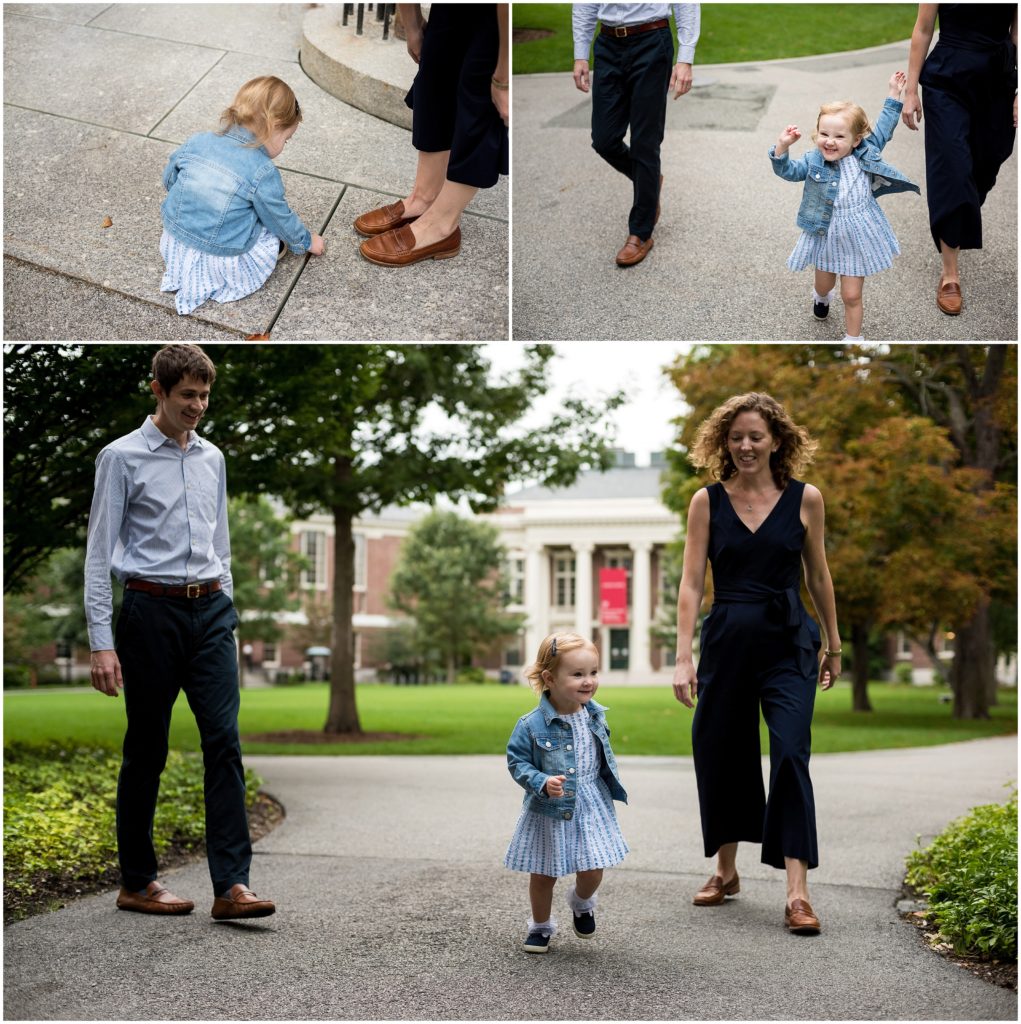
x,y
106,672
415,34
581,75
680,79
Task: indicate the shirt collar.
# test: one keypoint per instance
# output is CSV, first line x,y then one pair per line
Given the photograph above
x,y
240,134
551,714
155,438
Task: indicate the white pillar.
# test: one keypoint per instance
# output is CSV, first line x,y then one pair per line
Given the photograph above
x,y
640,662
536,599
583,588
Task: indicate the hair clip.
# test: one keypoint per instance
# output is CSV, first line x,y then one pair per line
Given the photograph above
x,y
553,648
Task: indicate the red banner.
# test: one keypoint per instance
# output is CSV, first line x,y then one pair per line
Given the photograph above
x,y
613,597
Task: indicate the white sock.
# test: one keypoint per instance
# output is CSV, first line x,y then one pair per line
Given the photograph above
x,y
545,927
578,905
847,337
825,299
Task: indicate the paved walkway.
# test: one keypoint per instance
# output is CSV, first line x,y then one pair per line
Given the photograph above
x,y
393,904
717,269
96,96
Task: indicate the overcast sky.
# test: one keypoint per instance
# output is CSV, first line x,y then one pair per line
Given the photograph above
x,y
600,367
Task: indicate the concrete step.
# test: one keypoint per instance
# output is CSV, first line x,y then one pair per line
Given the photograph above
x,y
366,71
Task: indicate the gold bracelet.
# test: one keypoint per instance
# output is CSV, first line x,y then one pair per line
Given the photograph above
x,y
500,85
832,654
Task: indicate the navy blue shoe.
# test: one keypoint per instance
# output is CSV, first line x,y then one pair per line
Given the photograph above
x,y
537,942
820,310
585,924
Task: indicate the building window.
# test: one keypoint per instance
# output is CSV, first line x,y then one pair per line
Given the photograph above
x,y
360,559
516,580
270,655
313,547
563,581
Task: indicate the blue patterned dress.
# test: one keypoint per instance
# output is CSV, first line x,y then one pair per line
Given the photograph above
x,y
859,241
197,276
591,839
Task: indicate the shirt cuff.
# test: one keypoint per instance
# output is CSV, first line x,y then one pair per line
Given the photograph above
x,y
685,54
100,638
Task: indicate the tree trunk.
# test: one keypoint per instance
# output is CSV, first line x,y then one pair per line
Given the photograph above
x,y
451,668
860,671
974,667
343,713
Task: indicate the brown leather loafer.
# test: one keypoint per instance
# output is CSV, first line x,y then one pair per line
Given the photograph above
x,y
800,918
397,248
712,893
157,899
634,251
949,298
241,902
386,218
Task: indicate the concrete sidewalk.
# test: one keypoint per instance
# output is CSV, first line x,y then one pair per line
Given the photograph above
x,y
717,271
96,96
393,904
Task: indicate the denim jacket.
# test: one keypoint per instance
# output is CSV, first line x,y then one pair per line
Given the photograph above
x,y
541,746
221,193
821,177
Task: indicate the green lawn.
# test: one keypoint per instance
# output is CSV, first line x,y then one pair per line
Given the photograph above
x,y
734,32
478,720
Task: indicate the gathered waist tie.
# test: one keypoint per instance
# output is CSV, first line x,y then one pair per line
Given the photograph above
x,y
784,606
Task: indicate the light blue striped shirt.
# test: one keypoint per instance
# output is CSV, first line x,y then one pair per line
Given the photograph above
x,y
686,18
159,513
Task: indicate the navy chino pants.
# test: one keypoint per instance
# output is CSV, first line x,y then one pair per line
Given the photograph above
x,y
166,644
629,88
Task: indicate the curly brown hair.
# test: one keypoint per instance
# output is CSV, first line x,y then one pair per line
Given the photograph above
x,y
797,449
550,650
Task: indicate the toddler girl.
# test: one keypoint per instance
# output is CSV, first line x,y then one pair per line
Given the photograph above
x,y
560,755
225,218
843,229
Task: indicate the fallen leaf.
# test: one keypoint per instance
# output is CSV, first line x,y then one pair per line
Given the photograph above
x,y
256,337
107,222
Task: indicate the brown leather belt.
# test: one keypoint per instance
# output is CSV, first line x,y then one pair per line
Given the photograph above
x,y
622,31
164,590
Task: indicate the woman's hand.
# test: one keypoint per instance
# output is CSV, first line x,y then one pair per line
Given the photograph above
x,y
415,34
897,82
318,246
685,683
501,100
911,115
829,670
555,785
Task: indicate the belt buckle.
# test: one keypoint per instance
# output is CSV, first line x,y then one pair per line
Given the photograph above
x,y
190,587
620,31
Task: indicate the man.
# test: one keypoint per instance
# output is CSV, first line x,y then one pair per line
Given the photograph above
x,y
636,70
159,521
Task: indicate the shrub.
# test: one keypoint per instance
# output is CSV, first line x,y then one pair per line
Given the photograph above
x,y
902,674
59,813
969,876
473,675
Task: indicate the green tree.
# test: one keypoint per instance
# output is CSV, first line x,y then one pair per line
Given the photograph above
x,y
62,404
449,579
353,428
264,567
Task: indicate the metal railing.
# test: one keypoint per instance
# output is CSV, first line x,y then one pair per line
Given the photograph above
x,y
383,13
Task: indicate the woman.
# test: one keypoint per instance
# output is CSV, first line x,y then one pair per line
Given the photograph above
x,y
757,525
970,83
460,102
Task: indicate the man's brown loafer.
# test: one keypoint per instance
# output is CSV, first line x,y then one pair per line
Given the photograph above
x,y
156,899
397,248
712,893
634,251
949,298
800,918
241,902
386,218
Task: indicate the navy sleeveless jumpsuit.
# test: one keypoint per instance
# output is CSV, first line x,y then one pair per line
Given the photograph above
x,y
758,646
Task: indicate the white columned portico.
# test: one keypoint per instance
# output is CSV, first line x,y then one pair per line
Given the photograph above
x,y
536,599
583,588
641,611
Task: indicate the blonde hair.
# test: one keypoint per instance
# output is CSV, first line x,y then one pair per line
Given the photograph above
x,y
858,120
264,105
549,654
710,450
